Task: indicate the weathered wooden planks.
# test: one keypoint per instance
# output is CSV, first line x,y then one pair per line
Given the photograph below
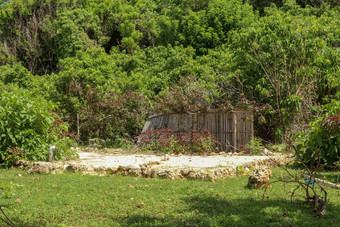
x,y
232,129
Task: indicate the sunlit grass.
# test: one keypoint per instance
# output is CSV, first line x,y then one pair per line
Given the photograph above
x,y
83,200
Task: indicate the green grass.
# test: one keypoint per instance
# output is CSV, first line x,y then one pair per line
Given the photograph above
x,y
82,200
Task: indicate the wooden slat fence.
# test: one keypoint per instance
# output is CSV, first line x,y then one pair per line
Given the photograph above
x,y
232,129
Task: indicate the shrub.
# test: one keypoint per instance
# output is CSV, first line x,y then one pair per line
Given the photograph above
x,y
254,146
167,141
321,144
188,97
28,127
114,117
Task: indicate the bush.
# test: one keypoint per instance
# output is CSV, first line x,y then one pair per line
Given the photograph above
x,y
166,141
28,127
188,97
113,118
254,146
321,144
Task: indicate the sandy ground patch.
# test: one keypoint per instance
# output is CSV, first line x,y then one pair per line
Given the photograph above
x,y
183,161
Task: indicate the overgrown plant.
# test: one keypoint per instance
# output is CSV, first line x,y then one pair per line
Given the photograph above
x,y
167,141
293,64
307,186
28,127
192,95
187,97
114,117
255,146
320,146
316,150
74,53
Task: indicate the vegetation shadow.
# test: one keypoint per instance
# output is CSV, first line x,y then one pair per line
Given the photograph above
x,y
217,211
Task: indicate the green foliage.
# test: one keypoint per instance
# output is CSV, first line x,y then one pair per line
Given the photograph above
x,y
75,30
114,117
166,141
15,73
279,55
320,145
288,59
255,146
208,28
82,78
28,127
188,97
280,148
156,69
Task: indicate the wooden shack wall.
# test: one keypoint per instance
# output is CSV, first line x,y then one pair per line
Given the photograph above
x,y
232,129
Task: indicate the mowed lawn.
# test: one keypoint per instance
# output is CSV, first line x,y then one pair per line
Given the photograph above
x,y
71,199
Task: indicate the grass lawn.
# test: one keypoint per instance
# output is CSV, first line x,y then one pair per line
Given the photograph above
x,y
71,199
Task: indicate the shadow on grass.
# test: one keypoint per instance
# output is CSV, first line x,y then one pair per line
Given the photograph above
x,y
215,211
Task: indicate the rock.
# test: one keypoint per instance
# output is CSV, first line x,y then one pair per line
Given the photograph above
x,y
111,170
220,173
135,172
77,168
21,164
101,170
41,167
266,152
91,149
141,205
129,171
57,168
272,161
165,157
124,170
75,149
118,150
230,171
201,175
166,174
189,174
260,178
210,176
149,172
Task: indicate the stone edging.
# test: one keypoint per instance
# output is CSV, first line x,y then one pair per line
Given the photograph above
x,y
153,171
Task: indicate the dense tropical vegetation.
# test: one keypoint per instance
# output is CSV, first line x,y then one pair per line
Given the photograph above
x,y
111,63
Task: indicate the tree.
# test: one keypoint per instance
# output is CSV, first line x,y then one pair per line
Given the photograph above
x,y
280,56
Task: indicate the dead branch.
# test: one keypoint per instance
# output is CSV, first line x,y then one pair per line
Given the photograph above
x,y
324,182
311,195
6,219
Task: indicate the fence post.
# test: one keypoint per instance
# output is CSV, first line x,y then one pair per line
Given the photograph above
x,y
78,130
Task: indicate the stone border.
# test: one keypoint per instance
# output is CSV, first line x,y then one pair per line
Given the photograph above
x,y
152,171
